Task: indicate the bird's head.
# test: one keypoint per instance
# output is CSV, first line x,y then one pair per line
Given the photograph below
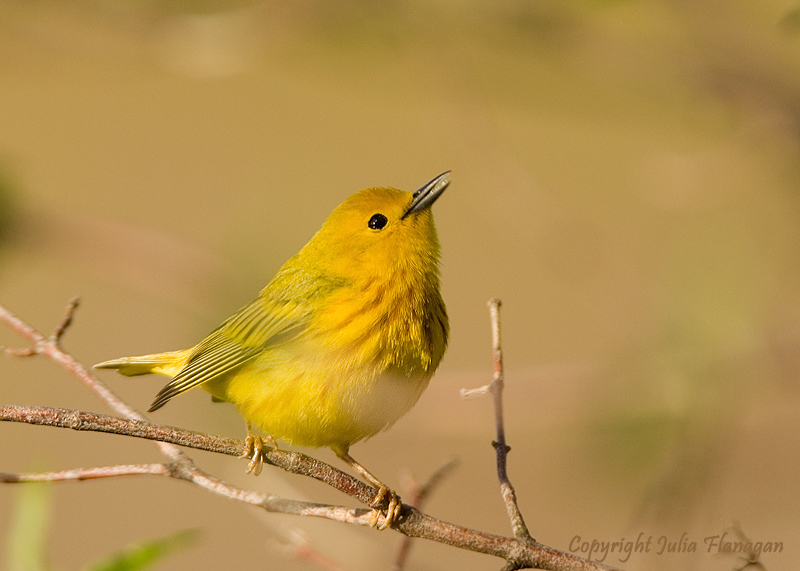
x,y
381,231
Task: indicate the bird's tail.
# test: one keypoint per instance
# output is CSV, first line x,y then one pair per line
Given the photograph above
x,y
168,364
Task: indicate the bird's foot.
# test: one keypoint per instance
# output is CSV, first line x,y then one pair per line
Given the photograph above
x,y
384,495
254,448
377,519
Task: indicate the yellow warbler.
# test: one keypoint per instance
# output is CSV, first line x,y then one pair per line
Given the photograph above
x,y
340,344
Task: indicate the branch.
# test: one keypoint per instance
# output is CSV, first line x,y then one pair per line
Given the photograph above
x,y
294,462
518,552
495,388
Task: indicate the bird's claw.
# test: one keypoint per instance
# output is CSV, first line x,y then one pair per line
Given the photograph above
x,y
392,510
253,449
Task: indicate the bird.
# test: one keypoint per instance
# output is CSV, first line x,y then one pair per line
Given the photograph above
x,y
338,345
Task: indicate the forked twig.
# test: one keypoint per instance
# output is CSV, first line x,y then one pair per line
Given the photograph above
x,y
50,347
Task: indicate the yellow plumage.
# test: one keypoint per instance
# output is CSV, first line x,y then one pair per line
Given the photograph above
x,y
342,341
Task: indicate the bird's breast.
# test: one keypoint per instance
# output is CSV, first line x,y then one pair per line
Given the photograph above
x,y
384,325
361,363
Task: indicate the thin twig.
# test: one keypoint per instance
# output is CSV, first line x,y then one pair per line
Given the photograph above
x,y
418,494
500,446
495,388
298,546
66,321
87,473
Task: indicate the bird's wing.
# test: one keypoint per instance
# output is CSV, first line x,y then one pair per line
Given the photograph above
x,y
242,337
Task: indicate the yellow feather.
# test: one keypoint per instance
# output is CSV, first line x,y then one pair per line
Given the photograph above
x,y
342,341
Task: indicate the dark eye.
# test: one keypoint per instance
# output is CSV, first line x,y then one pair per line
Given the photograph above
x,y
377,221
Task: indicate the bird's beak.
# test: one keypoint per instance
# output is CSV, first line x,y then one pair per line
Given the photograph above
x,y
428,194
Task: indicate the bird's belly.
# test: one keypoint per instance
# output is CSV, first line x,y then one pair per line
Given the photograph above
x,y
313,404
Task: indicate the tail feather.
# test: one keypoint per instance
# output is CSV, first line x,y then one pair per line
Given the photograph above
x,y
168,364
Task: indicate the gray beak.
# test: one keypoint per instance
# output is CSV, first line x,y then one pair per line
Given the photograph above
x,y
428,194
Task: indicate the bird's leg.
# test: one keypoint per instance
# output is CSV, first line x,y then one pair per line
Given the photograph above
x,y
392,511
254,446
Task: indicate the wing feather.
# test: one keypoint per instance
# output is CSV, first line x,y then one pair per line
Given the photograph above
x,y
255,327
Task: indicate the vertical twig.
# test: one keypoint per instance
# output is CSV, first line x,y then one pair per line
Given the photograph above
x,y
501,448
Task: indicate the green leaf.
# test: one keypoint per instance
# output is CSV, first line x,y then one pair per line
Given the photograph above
x,y
30,523
143,554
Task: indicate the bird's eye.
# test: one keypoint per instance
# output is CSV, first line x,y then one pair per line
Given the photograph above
x,y
377,221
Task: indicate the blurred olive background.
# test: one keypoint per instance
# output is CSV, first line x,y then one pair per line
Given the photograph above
x,y
625,178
